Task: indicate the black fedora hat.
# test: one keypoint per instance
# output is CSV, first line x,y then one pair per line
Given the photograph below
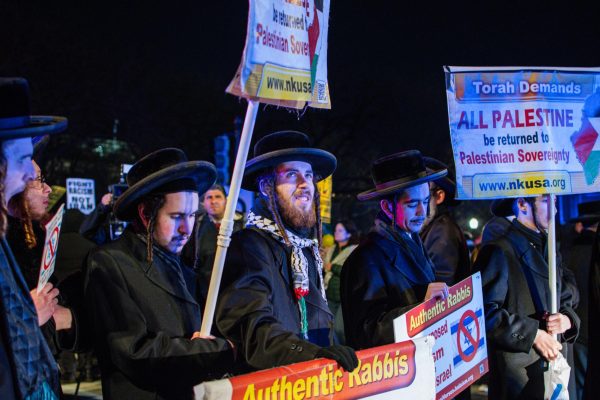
x,y
163,171
397,172
16,120
587,212
445,183
284,146
503,207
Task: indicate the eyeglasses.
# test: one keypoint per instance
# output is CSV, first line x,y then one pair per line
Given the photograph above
x,y
38,181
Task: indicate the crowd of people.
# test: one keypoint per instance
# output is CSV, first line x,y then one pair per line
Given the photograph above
x,y
137,301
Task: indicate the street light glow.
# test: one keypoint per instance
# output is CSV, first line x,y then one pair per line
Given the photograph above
x,y
473,223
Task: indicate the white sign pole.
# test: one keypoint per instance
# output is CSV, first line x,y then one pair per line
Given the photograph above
x,y
227,223
552,254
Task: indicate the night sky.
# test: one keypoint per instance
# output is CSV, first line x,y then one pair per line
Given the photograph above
x,y
162,68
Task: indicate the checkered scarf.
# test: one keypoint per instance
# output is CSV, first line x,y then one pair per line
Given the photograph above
x,y
298,262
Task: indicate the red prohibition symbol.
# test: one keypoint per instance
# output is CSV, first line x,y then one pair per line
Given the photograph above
x,y
52,244
462,328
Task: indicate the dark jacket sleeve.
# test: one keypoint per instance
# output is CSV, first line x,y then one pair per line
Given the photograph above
x,y
508,331
141,354
245,312
367,310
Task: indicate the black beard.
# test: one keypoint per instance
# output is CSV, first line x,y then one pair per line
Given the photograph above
x,y
295,218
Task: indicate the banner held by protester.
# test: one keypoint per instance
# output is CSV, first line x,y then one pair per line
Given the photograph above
x,y
458,326
524,131
289,60
285,58
392,371
50,248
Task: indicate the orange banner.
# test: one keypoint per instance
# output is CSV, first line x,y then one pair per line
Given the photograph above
x,y
397,368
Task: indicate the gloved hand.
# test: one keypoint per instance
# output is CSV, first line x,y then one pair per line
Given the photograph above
x,y
344,355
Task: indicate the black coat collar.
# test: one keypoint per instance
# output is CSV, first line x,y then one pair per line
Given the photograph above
x,y
165,271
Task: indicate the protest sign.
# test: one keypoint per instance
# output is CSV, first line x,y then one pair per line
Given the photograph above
x,y
285,57
81,194
458,326
386,372
524,131
50,248
284,63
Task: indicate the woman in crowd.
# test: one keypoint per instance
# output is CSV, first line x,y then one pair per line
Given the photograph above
x,y
346,239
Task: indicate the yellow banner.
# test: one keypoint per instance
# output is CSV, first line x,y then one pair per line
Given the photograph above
x,y
325,188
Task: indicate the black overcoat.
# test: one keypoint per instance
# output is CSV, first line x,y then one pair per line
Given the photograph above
x,y
257,309
510,266
447,247
143,317
381,280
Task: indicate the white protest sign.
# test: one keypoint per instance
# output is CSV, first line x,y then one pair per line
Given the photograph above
x,y
285,57
81,194
50,248
458,325
524,131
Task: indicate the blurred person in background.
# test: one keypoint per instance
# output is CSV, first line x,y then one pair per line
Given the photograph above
x,y
442,237
346,240
199,252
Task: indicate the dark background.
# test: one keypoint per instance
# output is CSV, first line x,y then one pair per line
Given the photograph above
x,y
161,69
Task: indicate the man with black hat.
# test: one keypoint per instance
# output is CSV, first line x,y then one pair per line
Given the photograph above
x,y
391,272
442,237
579,260
145,318
272,304
27,368
516,298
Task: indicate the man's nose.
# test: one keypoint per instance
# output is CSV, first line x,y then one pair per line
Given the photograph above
x,y
186,226
302,181
421,208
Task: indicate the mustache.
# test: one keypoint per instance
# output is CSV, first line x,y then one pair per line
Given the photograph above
x,y
303,193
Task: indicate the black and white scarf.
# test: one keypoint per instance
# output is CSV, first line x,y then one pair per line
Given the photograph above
x,y
299,263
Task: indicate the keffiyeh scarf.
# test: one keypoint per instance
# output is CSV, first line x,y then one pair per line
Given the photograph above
x,y
299,263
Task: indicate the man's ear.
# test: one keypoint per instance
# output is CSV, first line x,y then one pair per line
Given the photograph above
x,y
522,204
386,207
141,208
262,184
440,196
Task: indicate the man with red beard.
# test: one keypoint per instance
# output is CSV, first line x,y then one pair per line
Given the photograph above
x,y
391,272
272,304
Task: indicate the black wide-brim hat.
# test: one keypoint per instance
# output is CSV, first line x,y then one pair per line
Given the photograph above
x,y
286,146
588,212
397,172
16,120
503,207
163,171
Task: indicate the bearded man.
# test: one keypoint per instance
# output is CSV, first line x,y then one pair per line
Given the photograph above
x,y
272,304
